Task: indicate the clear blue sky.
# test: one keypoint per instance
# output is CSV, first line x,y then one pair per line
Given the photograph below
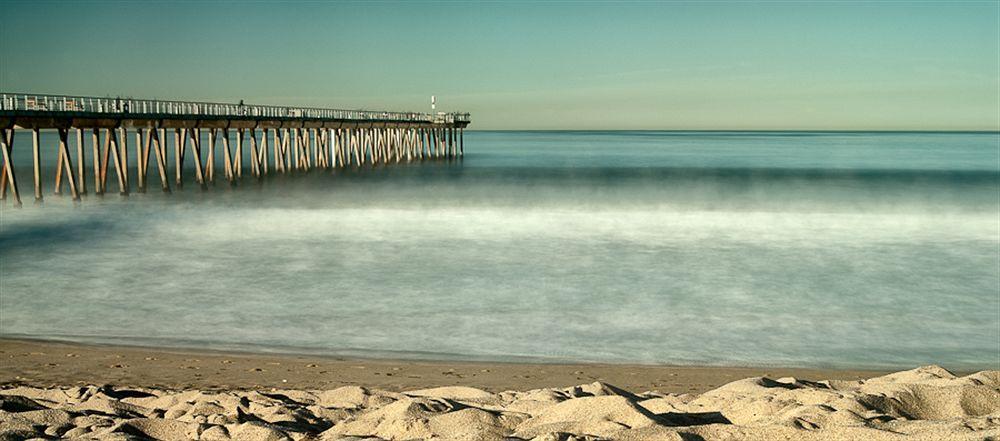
x,y
576,65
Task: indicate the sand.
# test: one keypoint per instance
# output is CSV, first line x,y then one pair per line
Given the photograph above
x,y
925,403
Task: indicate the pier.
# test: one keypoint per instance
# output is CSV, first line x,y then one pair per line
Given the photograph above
x,y
279,139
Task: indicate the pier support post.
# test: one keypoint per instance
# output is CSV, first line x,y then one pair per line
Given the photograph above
x,y
59,167
8,167
254,154
123,148
296,140
210,161
199,174
81,163
142,150
262,160
117,158
180,144
68,162
105,152
95,140
238,160
36,163
228,163
140,166
160,148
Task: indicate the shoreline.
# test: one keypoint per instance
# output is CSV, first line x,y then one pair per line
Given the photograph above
x,y
48,363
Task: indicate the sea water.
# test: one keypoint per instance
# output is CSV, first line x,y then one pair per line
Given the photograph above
x,y
877,250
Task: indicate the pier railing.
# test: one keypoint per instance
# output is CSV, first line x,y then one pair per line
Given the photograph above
x,y
124,107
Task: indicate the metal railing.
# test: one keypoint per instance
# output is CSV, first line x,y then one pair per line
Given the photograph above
x,y
124,107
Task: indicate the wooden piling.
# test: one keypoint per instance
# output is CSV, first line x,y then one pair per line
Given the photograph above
x,y
10,180
210,161
180,140
124,158
196,149
36,163
68,162
143,158
59,169
254,155
160,148
228,163
140,169
238,160
263,153
95,138
117,158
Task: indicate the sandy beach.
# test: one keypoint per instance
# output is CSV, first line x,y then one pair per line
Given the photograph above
x,y
40,363
117,392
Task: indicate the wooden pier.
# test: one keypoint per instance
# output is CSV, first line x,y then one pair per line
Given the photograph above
x,y
280,139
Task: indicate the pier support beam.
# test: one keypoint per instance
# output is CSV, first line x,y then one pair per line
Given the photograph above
x,y
9,180
210,161
140,166
81,162
199,174
114,146
36,164
228,162
95,138
180,144
67,162
160,148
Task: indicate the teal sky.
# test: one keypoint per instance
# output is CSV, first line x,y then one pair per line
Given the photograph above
x,y
520,65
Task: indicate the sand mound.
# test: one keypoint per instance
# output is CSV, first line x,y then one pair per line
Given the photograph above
x,y
927,403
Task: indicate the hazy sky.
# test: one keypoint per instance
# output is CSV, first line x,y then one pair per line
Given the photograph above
x,y
577,65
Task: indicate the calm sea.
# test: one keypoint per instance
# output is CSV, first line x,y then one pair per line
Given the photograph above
x,y
725,248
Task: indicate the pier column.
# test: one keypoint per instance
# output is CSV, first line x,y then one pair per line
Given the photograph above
x,y
254,154
295,149
160,148
142,160
95,140
199,173
180,139
59,168
115,146
238,160
124,157
68,162
81,163
6,143
210,161
36,163
228,163
263,153
140,166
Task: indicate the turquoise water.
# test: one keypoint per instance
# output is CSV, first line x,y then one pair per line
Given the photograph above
x,y
727,248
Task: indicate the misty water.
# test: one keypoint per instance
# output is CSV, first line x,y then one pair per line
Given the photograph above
x,y
723,248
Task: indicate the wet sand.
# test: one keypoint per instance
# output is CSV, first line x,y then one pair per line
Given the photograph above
x,y
56,364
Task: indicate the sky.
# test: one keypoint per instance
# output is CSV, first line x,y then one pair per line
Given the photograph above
x,y
533,65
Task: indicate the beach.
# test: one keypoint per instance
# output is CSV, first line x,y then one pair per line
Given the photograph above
x,y
53,364
128,392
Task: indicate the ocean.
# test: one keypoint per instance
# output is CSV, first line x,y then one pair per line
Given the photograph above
x,y
836,249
